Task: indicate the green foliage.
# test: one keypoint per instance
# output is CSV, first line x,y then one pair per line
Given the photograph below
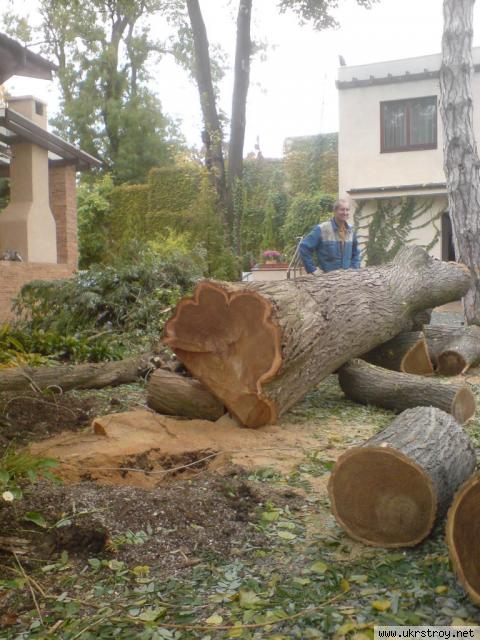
x,y
264,208
304,212
17,468
101,48
392,225
316,13
311,164
176,206
93,205
101,312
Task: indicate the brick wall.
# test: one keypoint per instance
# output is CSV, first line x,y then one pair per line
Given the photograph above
x,y
13,275
63,203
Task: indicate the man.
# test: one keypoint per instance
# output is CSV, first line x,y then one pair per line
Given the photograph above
x,y
334,243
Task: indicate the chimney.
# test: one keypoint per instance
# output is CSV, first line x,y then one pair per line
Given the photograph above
x,y
27,224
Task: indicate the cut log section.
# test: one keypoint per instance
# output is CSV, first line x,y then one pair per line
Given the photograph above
x,y
389,492
460,353
367,384
463,536
79,376
259,347
171,394
406,352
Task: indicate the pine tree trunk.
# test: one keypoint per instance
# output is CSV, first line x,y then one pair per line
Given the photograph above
x,y
390,491
174,395
461,161
368,384
463,536
260,347
406,352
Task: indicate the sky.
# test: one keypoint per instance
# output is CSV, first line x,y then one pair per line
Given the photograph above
x,y
292,90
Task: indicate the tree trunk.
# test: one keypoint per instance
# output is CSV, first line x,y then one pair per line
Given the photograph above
x,y
437,336
213,135
463,535
368,384
171,394
461,161
460,353
260,347
243,53
406,352
80,376
389,491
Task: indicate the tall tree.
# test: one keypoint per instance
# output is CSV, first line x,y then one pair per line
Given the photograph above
x,y
461,160
227,172
101,48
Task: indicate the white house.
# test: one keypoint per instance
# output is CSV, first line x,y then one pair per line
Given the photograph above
x,y
390,151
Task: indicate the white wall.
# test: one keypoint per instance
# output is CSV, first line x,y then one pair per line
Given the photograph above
x,y
361,165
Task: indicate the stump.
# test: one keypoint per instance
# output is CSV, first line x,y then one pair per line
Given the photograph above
x,y
389,491
171,394
463,536
406,352
260,347
367,384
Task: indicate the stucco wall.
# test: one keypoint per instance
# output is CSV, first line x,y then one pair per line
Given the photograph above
x,y
361,164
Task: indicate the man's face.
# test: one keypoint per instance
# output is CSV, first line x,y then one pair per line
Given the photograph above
x,y
342,213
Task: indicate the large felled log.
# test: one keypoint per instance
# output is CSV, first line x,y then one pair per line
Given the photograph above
x,y
365,383
406,352
79,376
389,491
463,536
259,347
171,394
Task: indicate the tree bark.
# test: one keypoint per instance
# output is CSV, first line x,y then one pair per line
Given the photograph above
x,y
461,161
406,352
437,336
243,53
389,491
260,347
460,353
367,384
453,350
80,376
463,534
171,394
213,135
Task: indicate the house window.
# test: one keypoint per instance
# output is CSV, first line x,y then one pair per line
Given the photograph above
x,y
409,124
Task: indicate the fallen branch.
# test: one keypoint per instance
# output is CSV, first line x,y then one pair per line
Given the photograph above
x,y
367,384
80,376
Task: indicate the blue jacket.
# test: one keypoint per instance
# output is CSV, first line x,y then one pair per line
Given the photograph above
x,y
324,241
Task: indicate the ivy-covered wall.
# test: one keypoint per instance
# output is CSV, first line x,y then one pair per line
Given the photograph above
x,y
385,225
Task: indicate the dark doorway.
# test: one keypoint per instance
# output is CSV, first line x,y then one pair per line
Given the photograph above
x,y
448,251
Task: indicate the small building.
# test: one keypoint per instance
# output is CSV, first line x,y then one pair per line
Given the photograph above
x,y
391,154
38,227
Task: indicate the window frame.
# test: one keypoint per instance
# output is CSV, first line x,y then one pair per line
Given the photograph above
x,y
407,102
